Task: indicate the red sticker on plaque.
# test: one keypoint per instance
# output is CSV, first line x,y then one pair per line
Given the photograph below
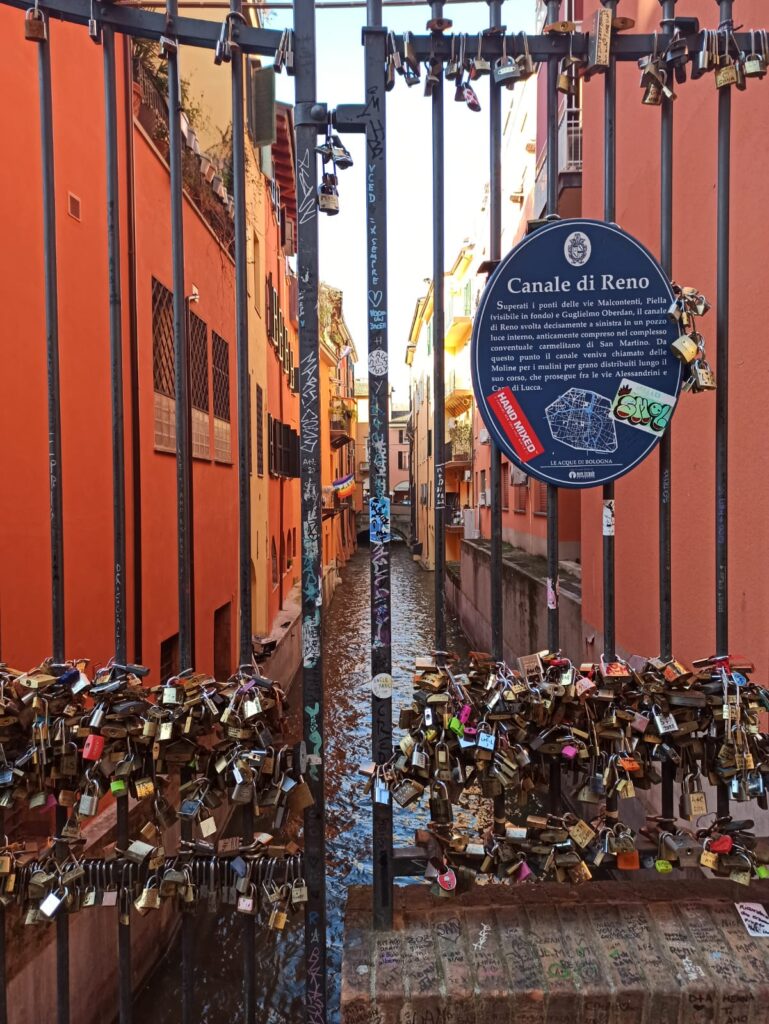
x,y
518,429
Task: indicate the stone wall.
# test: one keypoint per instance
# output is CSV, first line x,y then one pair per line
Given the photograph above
x,y
524,596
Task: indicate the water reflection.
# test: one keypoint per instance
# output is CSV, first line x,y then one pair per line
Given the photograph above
x,y
279,977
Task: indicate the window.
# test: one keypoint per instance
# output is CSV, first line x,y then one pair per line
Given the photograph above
x,y
274,559
163,367
259,431
402,460
220,363
282,555
520,491
257,275
201,442
540,498
429,443
283,449
505,471
169,657
400,437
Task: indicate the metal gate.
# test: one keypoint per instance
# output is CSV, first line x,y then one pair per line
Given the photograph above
x,y
367,116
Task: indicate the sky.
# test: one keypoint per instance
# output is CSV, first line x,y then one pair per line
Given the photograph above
x,y
340,79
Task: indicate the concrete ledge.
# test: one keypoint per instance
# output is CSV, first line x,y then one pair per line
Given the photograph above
x,y
658,952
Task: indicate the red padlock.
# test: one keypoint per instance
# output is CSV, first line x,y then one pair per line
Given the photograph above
x,y
93,747
721,844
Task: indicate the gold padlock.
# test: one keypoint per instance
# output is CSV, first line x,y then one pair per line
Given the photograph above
x,y
686,347
34,25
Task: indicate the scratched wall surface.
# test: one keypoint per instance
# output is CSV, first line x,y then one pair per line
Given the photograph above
x,y
604,953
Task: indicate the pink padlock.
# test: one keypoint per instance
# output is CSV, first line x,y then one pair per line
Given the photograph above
x,y
464,714
569,751
523,872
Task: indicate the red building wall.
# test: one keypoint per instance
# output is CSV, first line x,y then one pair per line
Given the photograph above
x,y
25,632
693,428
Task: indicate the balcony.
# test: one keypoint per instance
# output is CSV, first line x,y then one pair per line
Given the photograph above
x,y
457,457
460,322
363,467
459,394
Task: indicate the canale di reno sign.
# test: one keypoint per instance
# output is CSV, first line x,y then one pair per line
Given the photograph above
x,y
571,361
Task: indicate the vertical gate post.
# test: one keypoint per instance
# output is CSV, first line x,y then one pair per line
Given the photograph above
x,y
666,441
495,232
379,442
312,568
125,990
722,364
439,364
609,214
245,646
608,506
183,468
54,453
553,627
495,254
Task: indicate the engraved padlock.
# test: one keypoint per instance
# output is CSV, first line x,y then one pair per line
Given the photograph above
x,y
686,347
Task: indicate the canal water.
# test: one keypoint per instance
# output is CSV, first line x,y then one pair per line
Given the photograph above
x,y
346,652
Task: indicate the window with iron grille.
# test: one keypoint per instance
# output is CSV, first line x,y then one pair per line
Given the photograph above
x,y
259,431
220,365
201,443
163,367
520,493
505,475
540,498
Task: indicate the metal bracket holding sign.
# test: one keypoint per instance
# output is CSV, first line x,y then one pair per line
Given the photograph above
x,y
571,360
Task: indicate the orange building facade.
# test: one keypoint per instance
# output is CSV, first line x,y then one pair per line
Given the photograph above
x,y
150,575
693,426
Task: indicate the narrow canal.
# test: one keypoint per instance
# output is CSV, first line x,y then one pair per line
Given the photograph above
x,y
279,971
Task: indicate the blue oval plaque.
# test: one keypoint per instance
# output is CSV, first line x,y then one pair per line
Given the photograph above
x,y
571,361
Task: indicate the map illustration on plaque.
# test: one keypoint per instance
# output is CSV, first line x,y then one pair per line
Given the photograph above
x,y
572,367
582,419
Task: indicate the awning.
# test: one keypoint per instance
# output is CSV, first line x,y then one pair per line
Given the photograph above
x,y
403,485
340,438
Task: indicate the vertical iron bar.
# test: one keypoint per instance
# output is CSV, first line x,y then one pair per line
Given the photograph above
x,y
722,353
54,452
722,364
312,569
553,627
665,495
125,989
609,214
244,480
181,354
133,332
666,259
495,241
495,245
3,976
52,350
608,509
183,474
241,330
379,433
439,364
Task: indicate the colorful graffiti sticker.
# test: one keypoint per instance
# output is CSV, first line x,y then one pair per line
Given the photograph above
x,y
642,407
379,520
